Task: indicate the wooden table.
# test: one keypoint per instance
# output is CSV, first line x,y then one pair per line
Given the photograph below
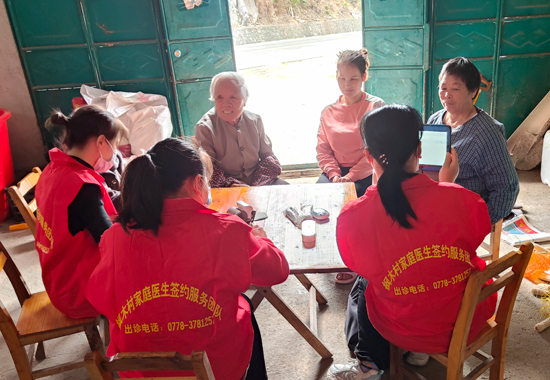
x,y
324,258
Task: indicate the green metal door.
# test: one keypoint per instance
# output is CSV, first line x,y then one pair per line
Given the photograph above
x,y
110,44
199,46
523,66
467,28
395,33
509,42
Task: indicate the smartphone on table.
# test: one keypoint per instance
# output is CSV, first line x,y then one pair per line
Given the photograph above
x,y
436,142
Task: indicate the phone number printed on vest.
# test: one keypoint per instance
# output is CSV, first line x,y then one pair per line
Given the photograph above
x,y
169,290
422,253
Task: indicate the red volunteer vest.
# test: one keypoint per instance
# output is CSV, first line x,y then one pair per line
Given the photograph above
x,y
417,276
67,261
180,290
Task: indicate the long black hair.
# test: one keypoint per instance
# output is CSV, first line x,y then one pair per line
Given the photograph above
x,y
391,134
152,176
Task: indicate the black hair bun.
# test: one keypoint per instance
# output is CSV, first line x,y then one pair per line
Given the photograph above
x,y
59,119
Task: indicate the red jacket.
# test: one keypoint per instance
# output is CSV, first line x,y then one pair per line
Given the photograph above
x,y
181,290
67,261
417,276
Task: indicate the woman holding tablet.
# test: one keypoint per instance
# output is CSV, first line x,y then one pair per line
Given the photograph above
x,y
405,237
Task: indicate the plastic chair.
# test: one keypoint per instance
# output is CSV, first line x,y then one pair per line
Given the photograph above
x,y
38,321
495,330
493,248
17,194
101,368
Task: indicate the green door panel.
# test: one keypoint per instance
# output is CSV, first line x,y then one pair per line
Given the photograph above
x,y
393,12
59,67
45,23
485,99
526,36
395,47
526,7
464,10
193,102
397,86
45,101
210,19
133,62
396,35
200,46
474,39
201,59
121,20
59,98
522,83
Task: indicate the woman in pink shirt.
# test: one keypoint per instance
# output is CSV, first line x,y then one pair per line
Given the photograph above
x,y
339,143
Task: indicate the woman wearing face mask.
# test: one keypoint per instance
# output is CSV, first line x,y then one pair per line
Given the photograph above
x,y
172,271
74,208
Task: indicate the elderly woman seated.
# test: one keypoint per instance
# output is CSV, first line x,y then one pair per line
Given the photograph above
x,y
235,138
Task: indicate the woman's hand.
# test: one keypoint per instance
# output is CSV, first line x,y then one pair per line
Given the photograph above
x,y
335,179
258,231
449,171
344,179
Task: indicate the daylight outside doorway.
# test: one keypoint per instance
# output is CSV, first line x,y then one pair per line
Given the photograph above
x,y
287,52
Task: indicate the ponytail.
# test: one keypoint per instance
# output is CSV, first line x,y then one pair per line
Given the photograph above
x,y
142,197
392,134
148,179
392,196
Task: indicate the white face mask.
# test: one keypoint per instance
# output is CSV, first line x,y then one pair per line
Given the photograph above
x,y
101,165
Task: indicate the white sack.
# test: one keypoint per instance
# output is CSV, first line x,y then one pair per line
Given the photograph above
x,y
146,116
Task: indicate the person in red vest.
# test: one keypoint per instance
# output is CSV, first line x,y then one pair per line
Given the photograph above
x,y
172,271
413,243
74,208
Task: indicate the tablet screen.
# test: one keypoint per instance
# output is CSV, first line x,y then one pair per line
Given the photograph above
x,y
434,148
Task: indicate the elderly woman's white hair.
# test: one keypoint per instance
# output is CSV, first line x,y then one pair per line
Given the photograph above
x,y
236,78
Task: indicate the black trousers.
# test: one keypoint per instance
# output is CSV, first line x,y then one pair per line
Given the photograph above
x,y
362,337
360,186
256,368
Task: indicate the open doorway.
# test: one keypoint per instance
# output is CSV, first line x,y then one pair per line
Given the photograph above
x,y
287,51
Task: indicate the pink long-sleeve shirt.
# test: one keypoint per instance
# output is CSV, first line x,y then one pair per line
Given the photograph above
x,y
339,142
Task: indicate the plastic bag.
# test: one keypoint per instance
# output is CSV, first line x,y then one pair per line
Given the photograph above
x,y
538,264
146,116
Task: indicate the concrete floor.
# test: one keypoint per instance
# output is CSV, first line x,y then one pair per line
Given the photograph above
x,y
288,355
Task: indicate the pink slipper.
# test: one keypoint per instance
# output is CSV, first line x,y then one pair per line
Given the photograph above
x,y
345,277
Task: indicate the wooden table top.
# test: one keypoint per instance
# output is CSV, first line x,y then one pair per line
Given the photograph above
x,y
324,257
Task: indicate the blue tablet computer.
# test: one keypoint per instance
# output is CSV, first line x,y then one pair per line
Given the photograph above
x,y
436,142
